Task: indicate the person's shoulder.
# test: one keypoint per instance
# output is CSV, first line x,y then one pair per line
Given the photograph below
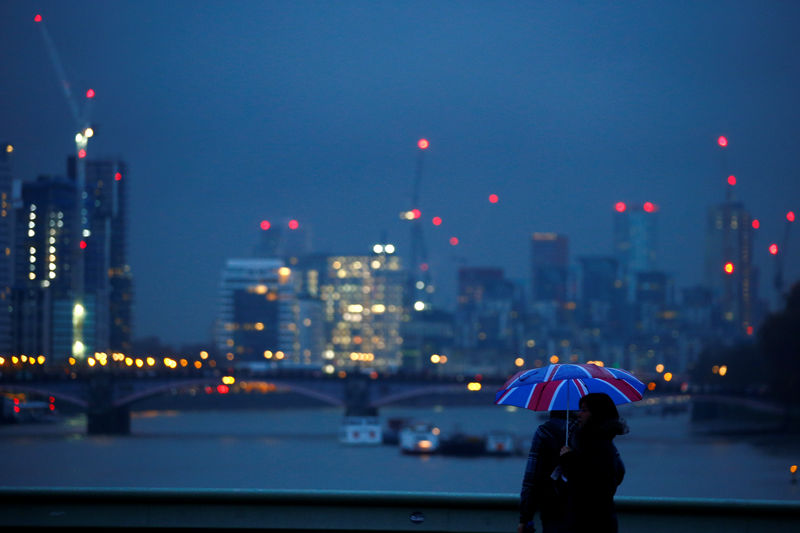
x,y
551,425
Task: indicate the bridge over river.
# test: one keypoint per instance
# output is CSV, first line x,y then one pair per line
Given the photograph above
x,y
107,396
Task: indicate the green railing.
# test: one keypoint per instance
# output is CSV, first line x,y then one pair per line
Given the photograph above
x,y
267,510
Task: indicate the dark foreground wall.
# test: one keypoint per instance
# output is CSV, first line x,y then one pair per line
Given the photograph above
x,y
279,511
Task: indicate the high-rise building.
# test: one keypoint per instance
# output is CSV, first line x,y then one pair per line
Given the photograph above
x,y
258,313
284,239
486,305
601,295
43,259
549,267
6,154
108,280
363,306
635,242
729,269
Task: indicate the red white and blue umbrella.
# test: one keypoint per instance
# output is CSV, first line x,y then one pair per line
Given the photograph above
x,y
560,387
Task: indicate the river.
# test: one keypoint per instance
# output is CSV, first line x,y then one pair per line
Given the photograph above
x,y
299,449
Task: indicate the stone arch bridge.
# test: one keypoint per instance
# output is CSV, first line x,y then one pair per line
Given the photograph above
x,y
107,397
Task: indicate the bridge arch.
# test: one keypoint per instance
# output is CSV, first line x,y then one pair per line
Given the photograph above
x,y
417,392
201,382
63,396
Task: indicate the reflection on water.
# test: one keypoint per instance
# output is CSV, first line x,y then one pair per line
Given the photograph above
x,y
299,449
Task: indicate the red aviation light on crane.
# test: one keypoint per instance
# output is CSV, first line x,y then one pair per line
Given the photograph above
x,y
722,141
493,198
728,268
437,221
756,224
790,216
37,18
81,153
773,249
423,144
293,224
620,207
90,93
265,225
117,176
649,207
731,180
453,241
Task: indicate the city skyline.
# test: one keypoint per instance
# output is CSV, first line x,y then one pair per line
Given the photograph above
x,y
317,119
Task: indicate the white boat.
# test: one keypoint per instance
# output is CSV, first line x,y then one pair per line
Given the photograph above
x,y
499,443
419,438
361,430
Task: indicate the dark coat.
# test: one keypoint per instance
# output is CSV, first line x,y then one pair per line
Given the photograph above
x,y
594,470
539,492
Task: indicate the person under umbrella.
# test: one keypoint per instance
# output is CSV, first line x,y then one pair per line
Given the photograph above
x,y
539,492
592,467
558,387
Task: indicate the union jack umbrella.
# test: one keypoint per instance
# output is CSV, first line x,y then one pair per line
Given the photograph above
x,y
560,387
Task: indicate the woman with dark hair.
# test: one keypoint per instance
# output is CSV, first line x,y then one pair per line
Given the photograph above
x,y
593,467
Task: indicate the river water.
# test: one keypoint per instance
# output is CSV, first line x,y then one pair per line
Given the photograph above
x,y
299,449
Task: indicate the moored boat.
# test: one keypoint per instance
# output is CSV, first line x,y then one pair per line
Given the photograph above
x,y
361,430
419,438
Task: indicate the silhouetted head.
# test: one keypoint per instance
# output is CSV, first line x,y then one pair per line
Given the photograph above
x,y
598,413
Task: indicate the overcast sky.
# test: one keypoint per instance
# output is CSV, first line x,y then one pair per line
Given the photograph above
x,y
232,112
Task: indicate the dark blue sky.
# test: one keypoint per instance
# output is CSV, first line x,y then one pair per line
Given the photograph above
x,y
231,112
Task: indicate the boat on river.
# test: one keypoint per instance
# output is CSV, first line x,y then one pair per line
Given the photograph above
x,y
361,430
419,437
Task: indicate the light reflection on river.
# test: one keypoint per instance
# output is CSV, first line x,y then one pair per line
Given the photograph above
x,y
298,449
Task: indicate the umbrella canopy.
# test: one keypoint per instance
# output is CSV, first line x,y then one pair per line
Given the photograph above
x,y
560,387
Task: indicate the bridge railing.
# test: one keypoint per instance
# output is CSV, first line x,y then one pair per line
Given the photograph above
x,y
285,511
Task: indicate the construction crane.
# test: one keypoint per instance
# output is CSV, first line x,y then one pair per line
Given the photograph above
x,y
419,285
81,231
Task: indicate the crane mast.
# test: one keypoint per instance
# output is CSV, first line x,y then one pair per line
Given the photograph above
x,y
419,274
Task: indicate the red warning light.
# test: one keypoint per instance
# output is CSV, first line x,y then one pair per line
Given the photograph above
x,y
731,180
265,225
756,224
81,153
773,249
424,267
620,207
416,212
790,216
722,141
117,176
649,207
749,330
90,93
728,268
453,241
293,224
37,18
493,198
437,221
83,245
423,144
222,389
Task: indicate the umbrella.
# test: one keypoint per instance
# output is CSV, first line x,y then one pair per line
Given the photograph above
x,y
561,386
